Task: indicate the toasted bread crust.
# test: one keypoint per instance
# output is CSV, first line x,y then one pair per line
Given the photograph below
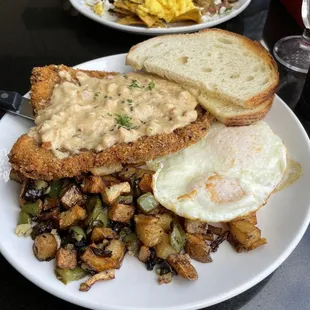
x,y
254,46
33,161
243,120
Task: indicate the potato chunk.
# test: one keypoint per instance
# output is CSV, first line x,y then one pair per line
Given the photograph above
x,y
66,258
164,220
183,266
195,227
45,247
71,196
246,234
149,234
92,184
197,248
100,233
121,212
71,217
145,183
144,254
164,248
110,194
99,263
251,217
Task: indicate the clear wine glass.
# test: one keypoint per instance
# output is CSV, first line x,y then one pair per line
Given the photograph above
x,y
294,51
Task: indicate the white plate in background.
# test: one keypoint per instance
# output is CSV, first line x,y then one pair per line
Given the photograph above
x,y
108,20
283,221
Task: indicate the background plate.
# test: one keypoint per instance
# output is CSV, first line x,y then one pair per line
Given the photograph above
x,y
283,222
109,21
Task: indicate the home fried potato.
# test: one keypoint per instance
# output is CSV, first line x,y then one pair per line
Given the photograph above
x,y
99,263
183,266
245,234
197,248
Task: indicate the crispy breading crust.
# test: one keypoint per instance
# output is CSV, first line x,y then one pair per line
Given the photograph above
x,y
33,161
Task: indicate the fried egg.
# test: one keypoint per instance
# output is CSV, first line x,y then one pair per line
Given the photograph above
x,y
229,173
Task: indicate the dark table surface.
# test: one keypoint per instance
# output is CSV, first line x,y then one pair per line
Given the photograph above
x,y
41,32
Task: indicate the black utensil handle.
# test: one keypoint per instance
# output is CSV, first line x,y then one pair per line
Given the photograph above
x,y
10,100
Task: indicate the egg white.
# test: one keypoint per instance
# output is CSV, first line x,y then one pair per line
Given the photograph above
x,y
229,173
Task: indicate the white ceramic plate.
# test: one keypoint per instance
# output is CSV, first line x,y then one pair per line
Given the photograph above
x,y
110,21
283,222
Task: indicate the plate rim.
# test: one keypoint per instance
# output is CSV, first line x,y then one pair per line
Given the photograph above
x,y
193,305
159,31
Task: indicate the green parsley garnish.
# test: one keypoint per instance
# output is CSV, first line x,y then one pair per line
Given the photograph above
x,y
227,10
129,100
134,84
123,120
96,95
151,85
131,109
105,96
109,114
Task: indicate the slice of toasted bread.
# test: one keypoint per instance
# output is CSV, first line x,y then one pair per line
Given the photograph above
x,y
33,161
231,114
222,64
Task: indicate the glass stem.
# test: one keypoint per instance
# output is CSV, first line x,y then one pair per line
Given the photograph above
x,y
306,37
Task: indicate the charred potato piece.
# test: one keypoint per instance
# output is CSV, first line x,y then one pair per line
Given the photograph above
x,y
121,212
183,266
100,233
197,248
164,220
245,233
110,194
99,264
195,227
164,248
144,254
45,247
145,183
101,276
148,231
92,184
71,196
66,258
71,217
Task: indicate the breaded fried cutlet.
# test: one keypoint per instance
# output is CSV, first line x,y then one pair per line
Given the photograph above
x,y
34,161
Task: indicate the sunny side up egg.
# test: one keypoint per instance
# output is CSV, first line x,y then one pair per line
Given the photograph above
x,y
229,173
